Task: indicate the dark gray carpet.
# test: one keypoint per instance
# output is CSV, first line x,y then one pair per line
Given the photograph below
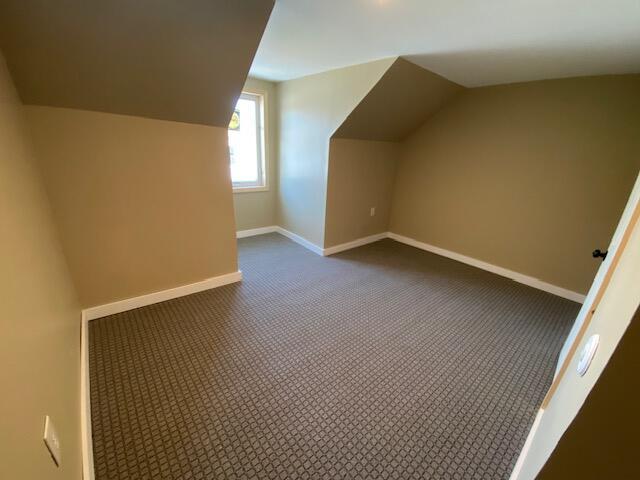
x,y
381,362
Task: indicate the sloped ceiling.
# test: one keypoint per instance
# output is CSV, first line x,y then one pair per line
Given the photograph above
x,y
402,100
175,60
471,42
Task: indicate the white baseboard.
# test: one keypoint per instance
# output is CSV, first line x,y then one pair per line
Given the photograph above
x,y
85,402
256,231
307,243
300,240
156,297
518,277
355,243
517,469
515,276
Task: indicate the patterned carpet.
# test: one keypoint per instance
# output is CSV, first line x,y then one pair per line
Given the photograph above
x,y
382,362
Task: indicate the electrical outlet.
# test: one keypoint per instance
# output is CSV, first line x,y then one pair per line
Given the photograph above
x,y
52,441
372,212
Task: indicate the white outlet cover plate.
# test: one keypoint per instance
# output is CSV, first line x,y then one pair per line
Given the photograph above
x,y
52,441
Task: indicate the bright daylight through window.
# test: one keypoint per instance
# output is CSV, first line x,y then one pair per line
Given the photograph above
x,y
246,149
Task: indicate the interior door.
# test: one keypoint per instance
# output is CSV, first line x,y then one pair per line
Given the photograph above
x,y
627,221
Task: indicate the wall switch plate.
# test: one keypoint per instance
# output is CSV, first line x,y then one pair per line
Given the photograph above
x,y
52,441
372,211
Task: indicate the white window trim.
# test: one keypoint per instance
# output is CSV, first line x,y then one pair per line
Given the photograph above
x,y
263,184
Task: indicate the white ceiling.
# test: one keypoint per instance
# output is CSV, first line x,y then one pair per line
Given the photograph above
x,y
472,42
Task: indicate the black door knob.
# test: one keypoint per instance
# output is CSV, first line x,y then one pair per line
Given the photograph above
x,y
599,253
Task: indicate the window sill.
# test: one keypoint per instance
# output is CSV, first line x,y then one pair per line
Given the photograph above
x,y
250,189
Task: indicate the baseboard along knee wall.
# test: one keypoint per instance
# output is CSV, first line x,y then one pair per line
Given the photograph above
x,y
161,296
515,276
156,297
309,244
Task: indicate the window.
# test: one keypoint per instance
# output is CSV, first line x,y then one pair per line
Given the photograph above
x,y
246,143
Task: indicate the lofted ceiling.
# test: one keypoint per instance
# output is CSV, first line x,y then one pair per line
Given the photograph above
x,y
183,60
470,42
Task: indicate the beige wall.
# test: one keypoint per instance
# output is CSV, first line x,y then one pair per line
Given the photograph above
x,y
142,205
310,110
39,315
361,176
255,209
530,177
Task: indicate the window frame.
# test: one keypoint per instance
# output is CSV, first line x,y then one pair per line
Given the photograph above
x,y
260,185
